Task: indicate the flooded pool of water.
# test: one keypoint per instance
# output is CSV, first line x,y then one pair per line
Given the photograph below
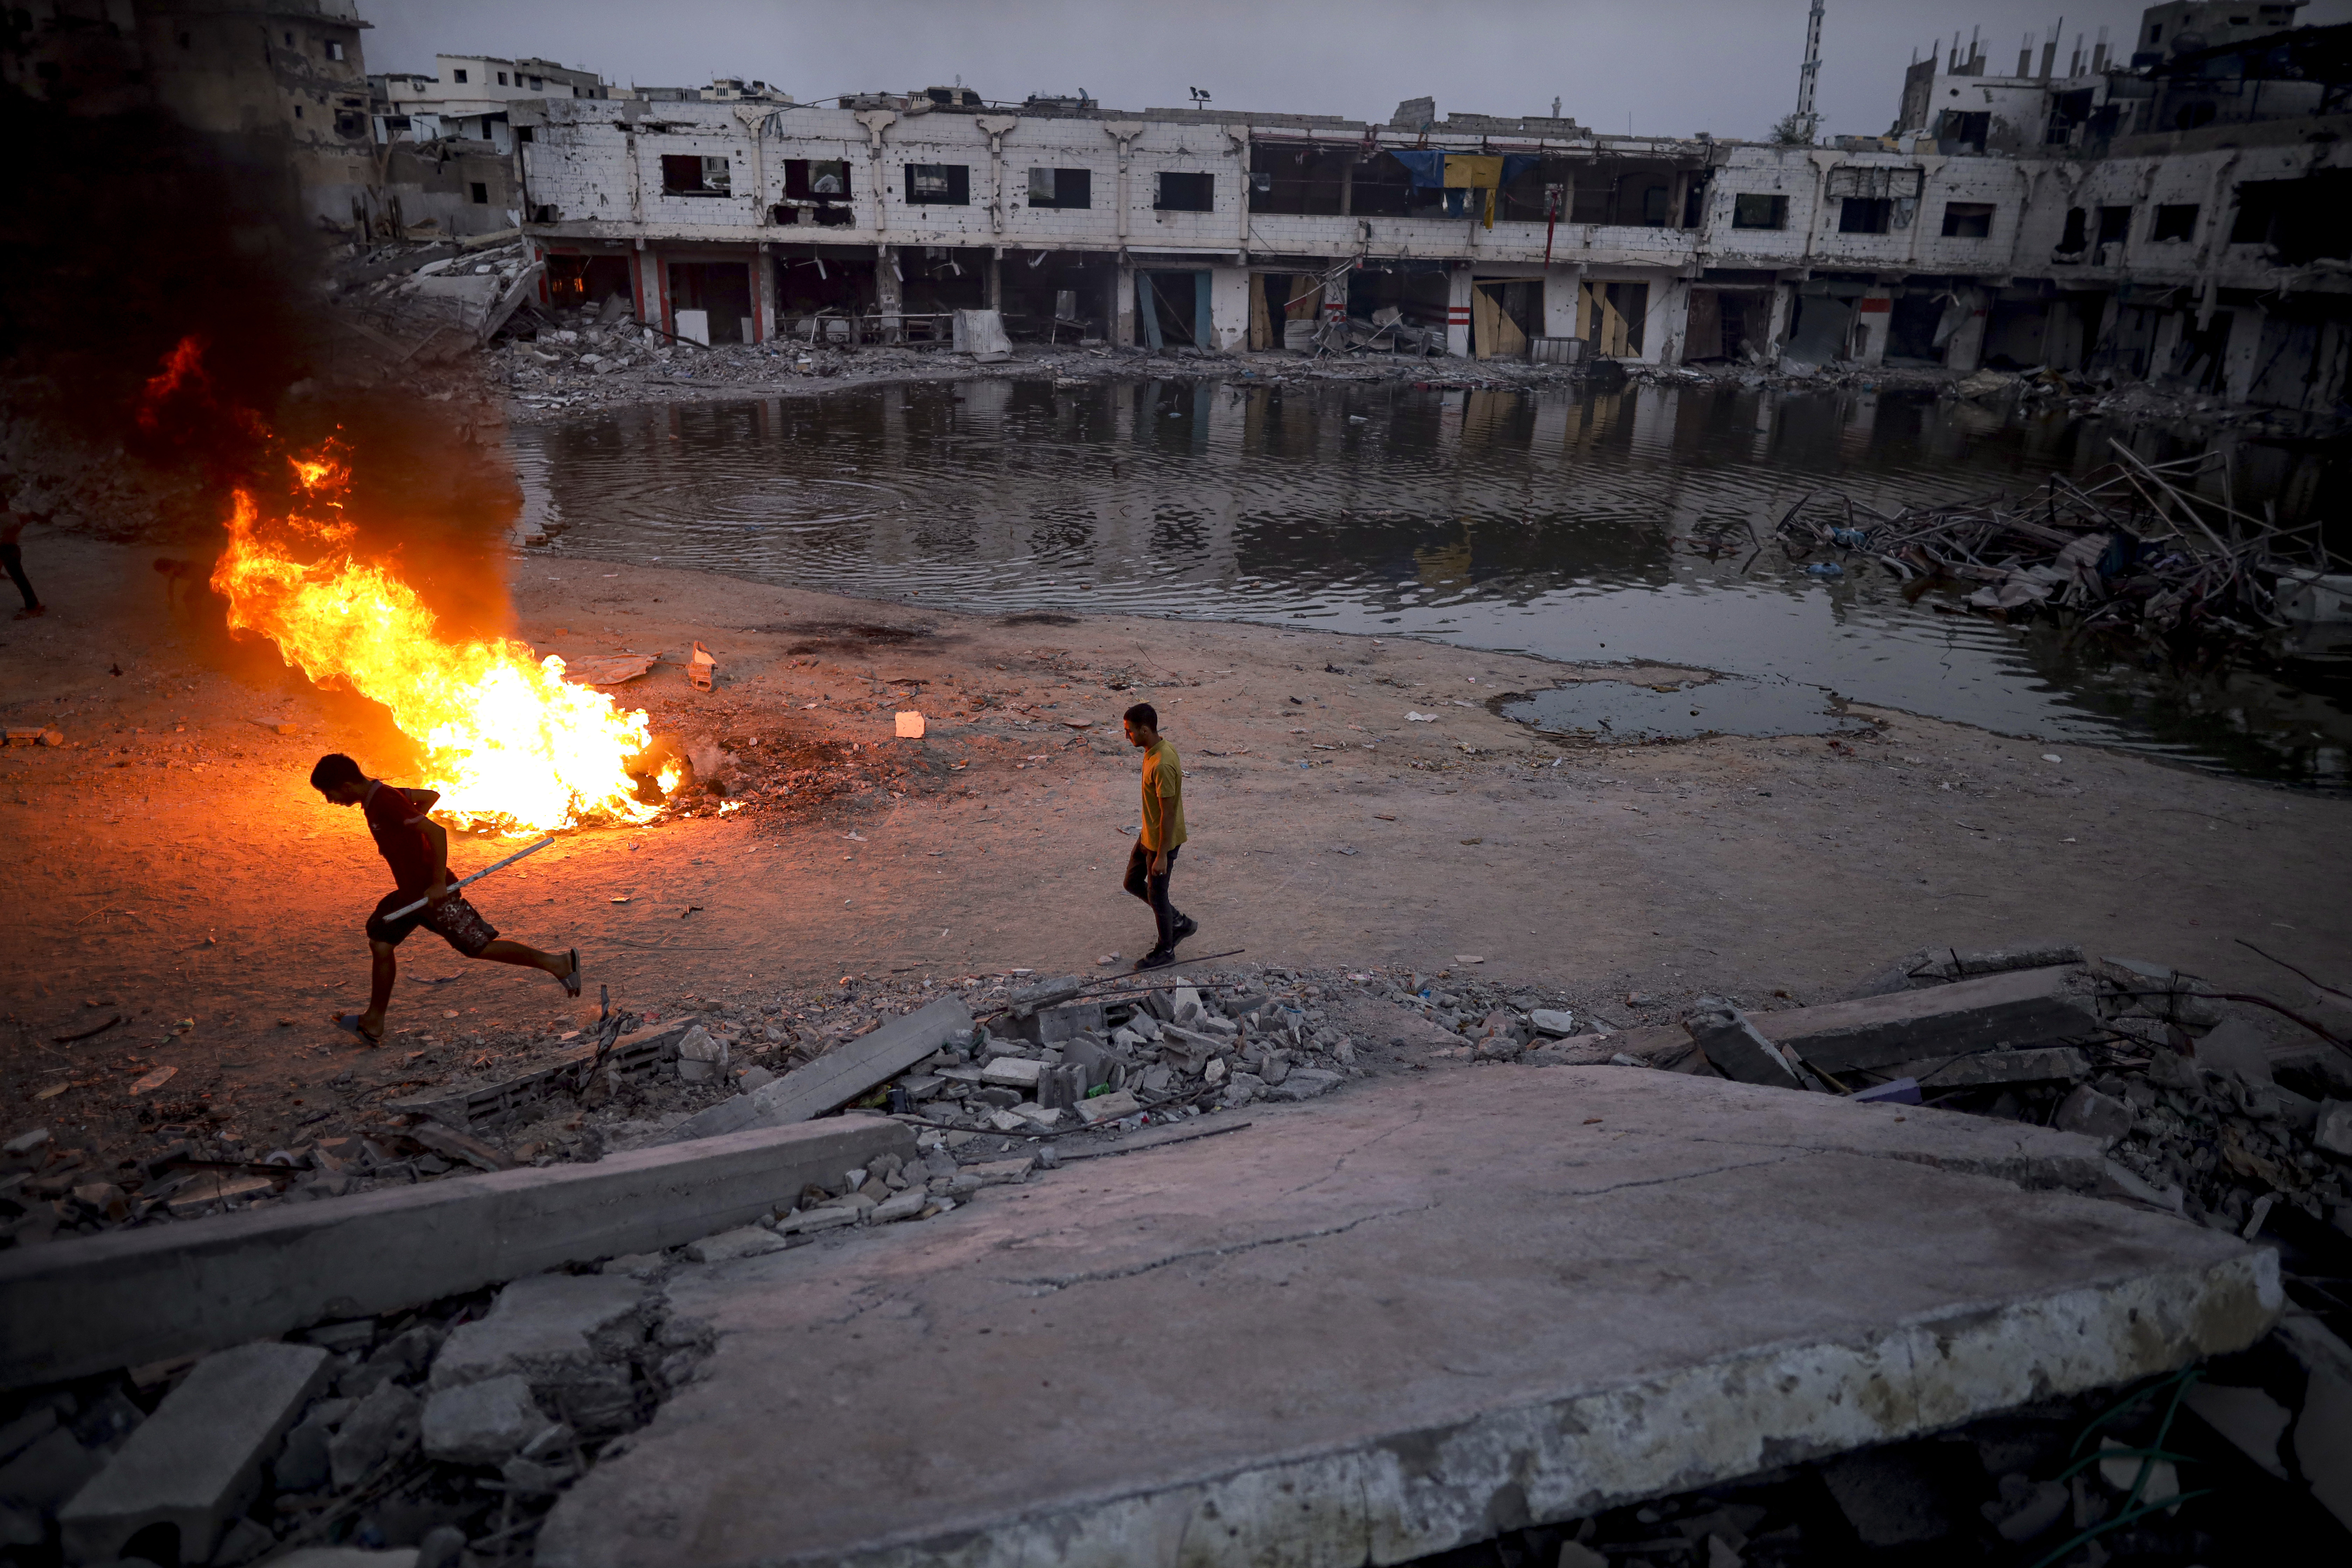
x,y
1576,524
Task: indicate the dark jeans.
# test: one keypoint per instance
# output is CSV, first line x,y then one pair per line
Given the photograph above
x,y
12,558
1153,890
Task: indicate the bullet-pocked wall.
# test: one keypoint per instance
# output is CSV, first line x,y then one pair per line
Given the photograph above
x,y
1148,227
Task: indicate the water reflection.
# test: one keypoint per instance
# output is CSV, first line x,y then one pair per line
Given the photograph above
x,y
1593,525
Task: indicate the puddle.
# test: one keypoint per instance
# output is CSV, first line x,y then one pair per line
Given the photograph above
x,y
1625,711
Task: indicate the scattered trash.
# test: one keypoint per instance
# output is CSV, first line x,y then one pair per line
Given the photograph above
x,y
607,669
1412,718
155,1080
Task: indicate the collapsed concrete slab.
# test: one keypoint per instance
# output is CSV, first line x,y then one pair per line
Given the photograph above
x,y
2011,1010
1371,1339
469,1103
73,1308
196,1464
837,1077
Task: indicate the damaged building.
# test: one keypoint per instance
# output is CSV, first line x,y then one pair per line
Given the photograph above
x,y
2177,216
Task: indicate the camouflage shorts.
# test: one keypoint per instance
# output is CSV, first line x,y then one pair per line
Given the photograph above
x,y
453,920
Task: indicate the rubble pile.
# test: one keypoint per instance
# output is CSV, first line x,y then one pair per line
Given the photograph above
x,y
2131,553
443,1434
2148,1475
436,301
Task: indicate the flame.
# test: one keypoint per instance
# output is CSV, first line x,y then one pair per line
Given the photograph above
x,y
509,743
184,368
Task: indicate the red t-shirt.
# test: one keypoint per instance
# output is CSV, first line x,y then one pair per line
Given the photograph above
x,y
398,824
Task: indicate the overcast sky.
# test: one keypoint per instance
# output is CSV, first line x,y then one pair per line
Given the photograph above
x,y
1665,66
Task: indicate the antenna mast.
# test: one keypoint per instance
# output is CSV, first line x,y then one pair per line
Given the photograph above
x,y
1806,117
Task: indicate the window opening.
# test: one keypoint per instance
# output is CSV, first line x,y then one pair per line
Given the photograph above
x,y
689,174
938,185
1967,220
1186,194
1061,188
1865,215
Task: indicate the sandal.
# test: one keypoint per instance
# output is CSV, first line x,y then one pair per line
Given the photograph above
x,y
571,980
349,1024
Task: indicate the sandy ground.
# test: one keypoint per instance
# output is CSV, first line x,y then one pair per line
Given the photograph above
x,y
171,863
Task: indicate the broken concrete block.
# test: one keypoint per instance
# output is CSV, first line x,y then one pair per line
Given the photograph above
x,y
485,1423
898,1207
2236,1046
1109,1107
745,1241
196,1462
2012,1011
68,1312
1558,1024
823,1217
1013,1072
834,1078
1305,1083
2248,1417
1053,1026
1895,1091
552,1329
2086,1111
1738,1052
346,1557
2038,1066
301,1462
2333,1129
995,1172
384,1426
701,1058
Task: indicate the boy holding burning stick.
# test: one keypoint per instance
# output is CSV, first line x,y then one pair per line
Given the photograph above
x,y
416,848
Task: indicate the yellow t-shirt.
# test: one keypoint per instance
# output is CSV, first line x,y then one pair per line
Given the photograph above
x,y
1163,796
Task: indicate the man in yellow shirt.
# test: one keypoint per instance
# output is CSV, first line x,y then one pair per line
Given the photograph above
x,y
1161,836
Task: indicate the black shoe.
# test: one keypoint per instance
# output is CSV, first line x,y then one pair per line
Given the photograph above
x,y
1158,958
1186,927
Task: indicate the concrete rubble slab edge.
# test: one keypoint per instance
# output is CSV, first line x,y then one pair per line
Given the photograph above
x,y
73,1308
1411,1493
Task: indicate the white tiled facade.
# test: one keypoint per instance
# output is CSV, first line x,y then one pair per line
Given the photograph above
x,y
1972,244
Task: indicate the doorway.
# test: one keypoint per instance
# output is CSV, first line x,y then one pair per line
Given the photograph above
x,y
586,279
710,301
1504,316
1173,307
1612,315
1278,298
